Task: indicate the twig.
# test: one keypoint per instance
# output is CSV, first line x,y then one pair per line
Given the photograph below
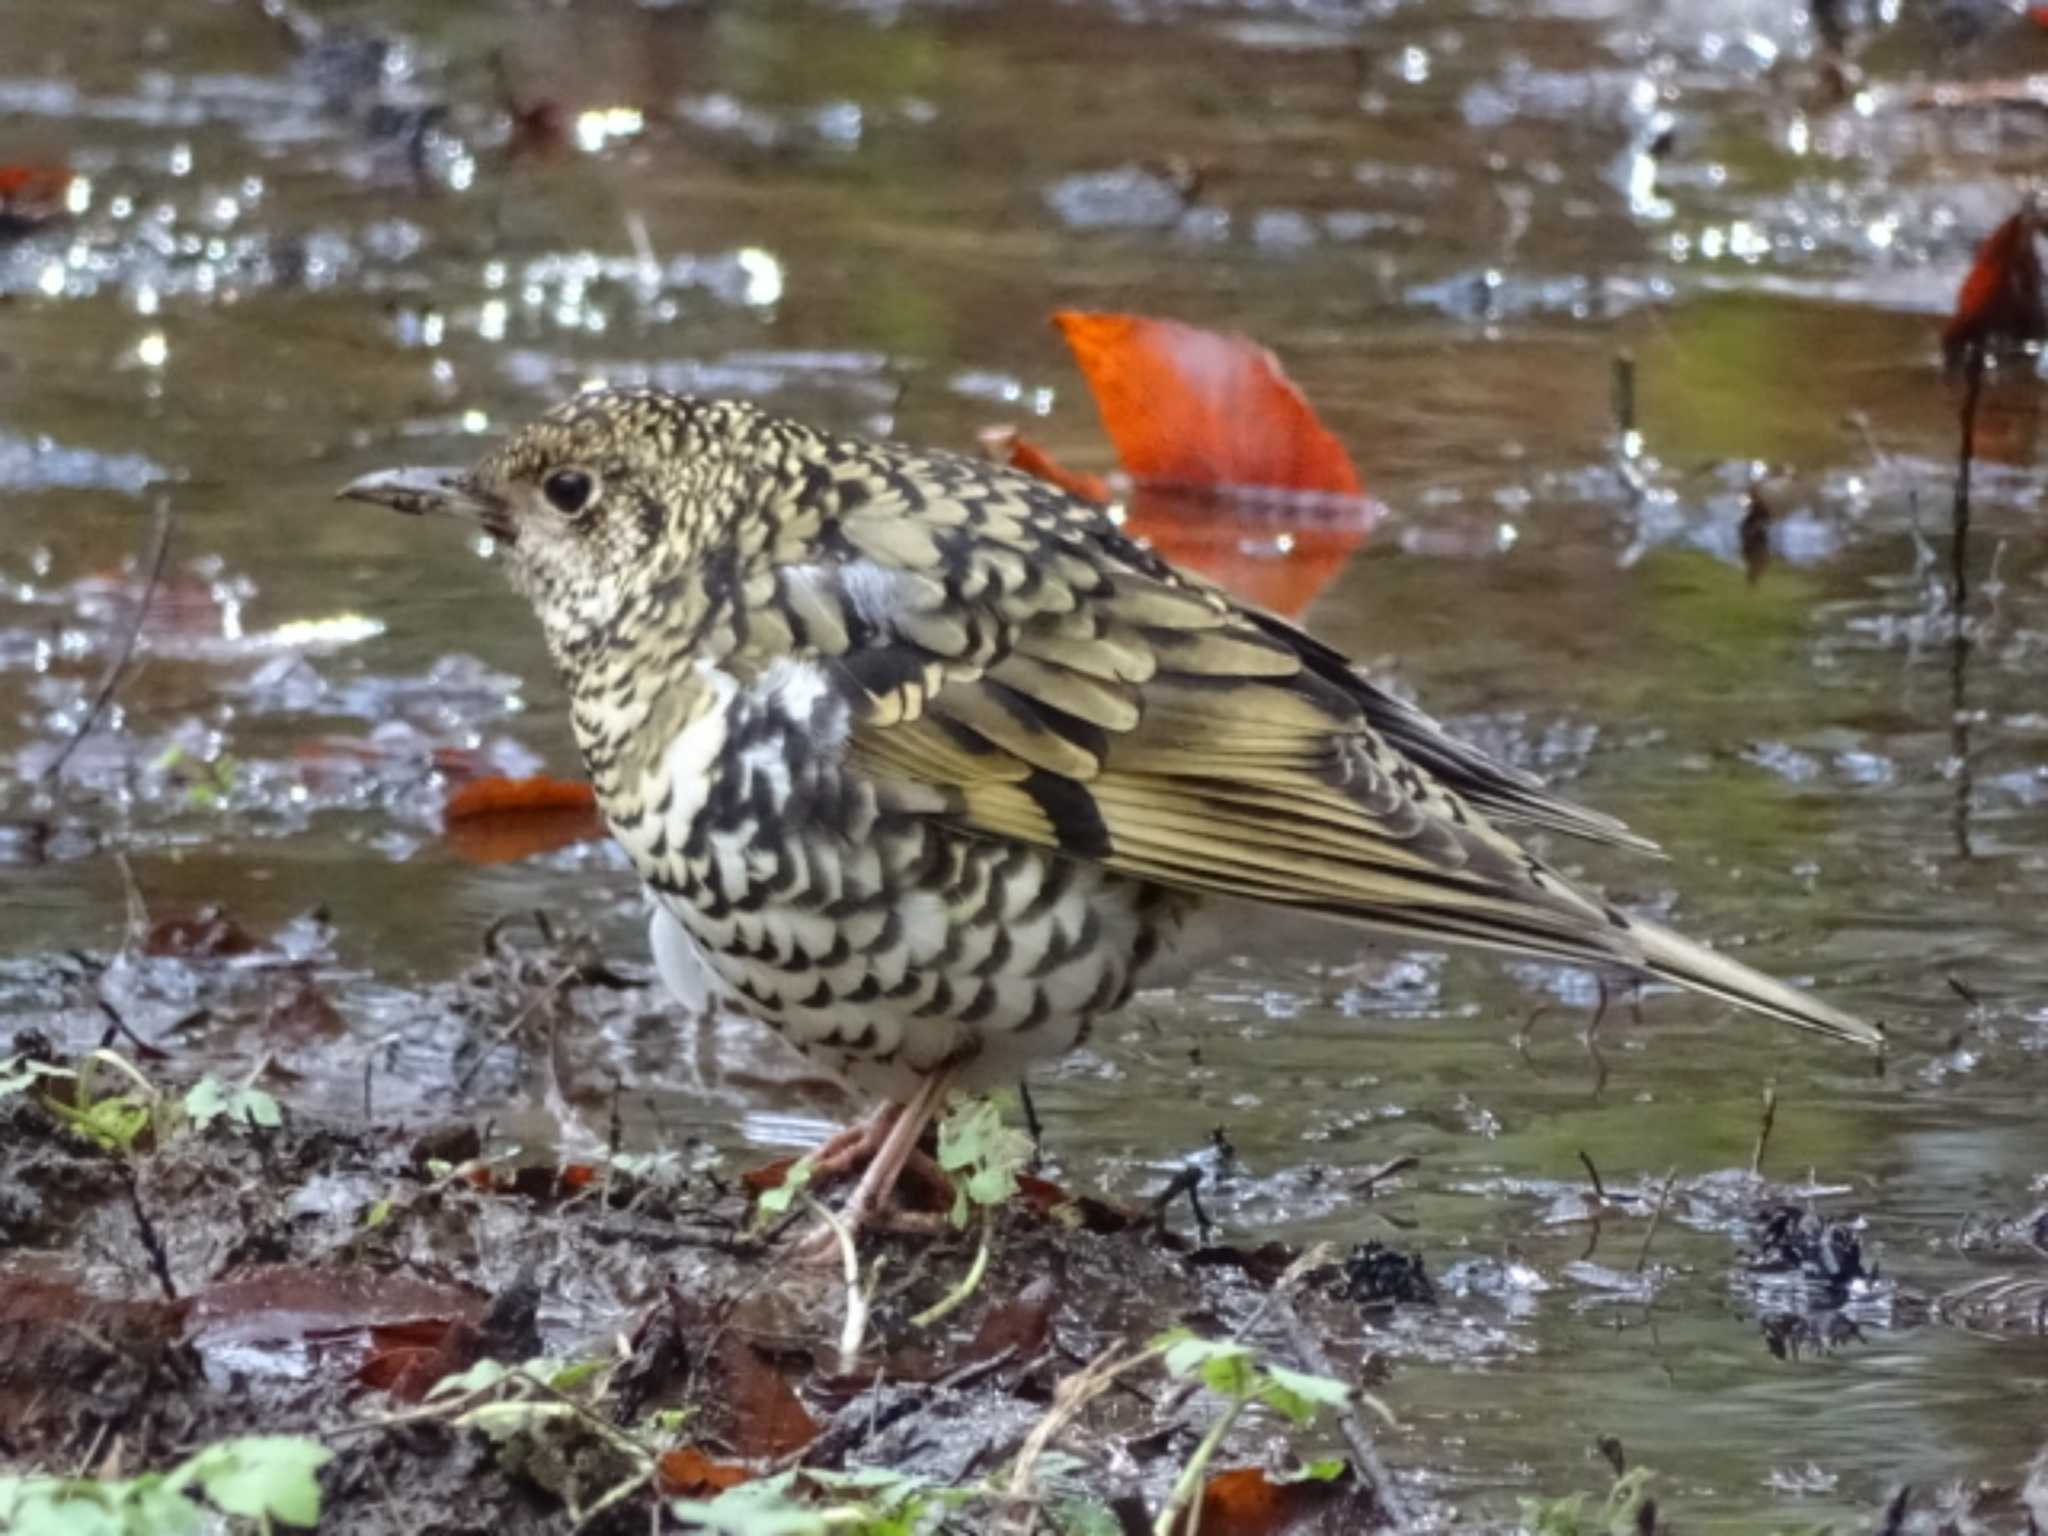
x,y
1365,1458
856,1324
1191,1476
1374,1177
1958,570
117,665
1069,1397
1763,1130
153,1245
1599,1189
1656,1215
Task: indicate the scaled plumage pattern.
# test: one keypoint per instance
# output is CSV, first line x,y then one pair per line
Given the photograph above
x,y
929,766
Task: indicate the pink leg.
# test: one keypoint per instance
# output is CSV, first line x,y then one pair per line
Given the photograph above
x,y
879,1181
848,1149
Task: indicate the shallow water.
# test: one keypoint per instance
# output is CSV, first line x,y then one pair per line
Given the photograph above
x,y
284,269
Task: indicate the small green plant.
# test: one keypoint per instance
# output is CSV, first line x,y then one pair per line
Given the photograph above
x,y
116,1121
1622,1513
773,1204
1234,1373
207,784
210,1098
112,1121
267,1479
981,1155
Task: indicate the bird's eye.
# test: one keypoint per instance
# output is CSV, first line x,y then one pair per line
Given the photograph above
x,y
569,491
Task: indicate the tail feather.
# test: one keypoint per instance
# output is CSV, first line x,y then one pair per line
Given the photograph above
x,y
1678,959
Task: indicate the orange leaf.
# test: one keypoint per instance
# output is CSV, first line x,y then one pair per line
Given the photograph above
x,y
31,196
497,820
688,1473
1185,406
2000,301
1005,446
1243,1501
497,797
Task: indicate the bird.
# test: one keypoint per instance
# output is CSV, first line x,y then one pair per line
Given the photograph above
x,y
929,767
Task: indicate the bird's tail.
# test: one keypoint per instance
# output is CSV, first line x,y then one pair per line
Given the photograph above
x,y
1676,958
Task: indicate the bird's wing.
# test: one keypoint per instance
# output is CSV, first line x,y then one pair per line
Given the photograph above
x,y
1066,688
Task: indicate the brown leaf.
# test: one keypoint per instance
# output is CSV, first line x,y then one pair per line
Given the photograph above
x,y
2000,303
406,1359
1022,1324
299,1010
279,1301
768,1417
498,820
208,934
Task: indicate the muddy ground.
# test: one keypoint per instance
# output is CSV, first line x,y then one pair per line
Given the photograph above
x,y
1631,317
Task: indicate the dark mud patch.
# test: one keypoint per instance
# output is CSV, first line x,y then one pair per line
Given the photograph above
x,y
200,1283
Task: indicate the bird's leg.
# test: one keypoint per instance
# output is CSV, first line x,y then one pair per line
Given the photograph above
x,y
896,1150
848,1149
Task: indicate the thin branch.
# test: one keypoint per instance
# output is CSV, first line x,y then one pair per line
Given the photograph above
x,y
117,665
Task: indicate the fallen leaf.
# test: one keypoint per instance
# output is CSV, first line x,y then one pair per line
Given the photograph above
x,y
292,1301
2000,303
1021,1324
1275,560
208,934
1243,1501
1006,446
406,1359
768,1418
1235,477
1189,407
299,1010
32,196
498,820
688,1473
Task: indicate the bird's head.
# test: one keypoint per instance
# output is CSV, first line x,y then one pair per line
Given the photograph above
x,y
613,499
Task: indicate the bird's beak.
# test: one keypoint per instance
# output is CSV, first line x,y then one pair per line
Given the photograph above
x,y
440,492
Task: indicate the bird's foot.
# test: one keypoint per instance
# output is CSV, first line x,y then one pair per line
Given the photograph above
x,y
895,1153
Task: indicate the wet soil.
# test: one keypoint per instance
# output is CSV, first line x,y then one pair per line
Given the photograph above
x,y
281,249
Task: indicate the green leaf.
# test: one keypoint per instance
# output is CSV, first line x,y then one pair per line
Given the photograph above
x,y
502,1421
206,1102
1327,1470
568,1378
982,1153
1225,1368
50,1506
762,1508
209,1099
112,1123
261,1477
1085,1517
777,1201
480,1377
